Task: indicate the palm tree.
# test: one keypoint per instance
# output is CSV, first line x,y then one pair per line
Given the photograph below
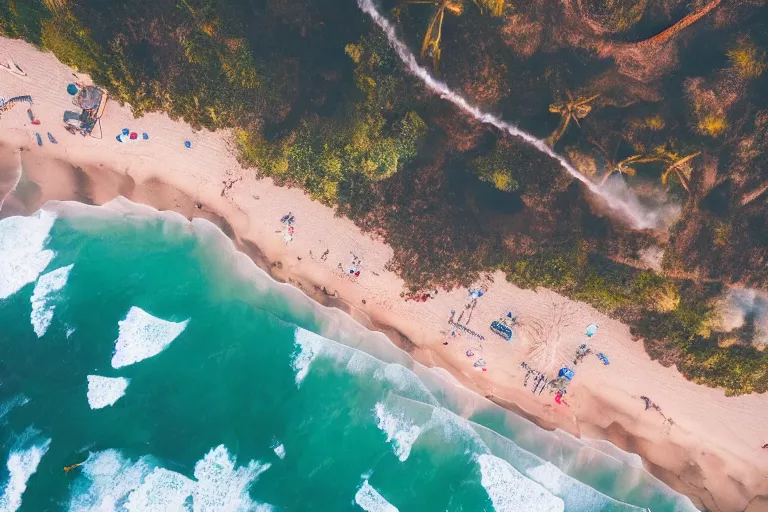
x,y
664,36
56,5
495,7
572,109
432,38
681,170
624,168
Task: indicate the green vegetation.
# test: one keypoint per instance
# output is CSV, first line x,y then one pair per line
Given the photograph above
x,y
318,100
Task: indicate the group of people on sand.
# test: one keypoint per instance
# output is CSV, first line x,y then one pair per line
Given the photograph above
x,y
354,269
288,220
542,383
539,378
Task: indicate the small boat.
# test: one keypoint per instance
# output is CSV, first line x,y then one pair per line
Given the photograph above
x,y
39,140
50,138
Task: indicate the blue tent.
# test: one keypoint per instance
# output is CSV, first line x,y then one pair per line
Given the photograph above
x,y
502,330
566,372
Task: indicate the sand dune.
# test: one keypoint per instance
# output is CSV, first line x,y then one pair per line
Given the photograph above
x,y
710,451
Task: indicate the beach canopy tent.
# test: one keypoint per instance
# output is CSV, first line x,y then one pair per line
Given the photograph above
x,y
566,372
93,101
591,330
502,330
88,98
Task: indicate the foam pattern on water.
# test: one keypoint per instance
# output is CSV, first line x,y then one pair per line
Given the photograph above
x,y
279,450
43,297
104,391
310,346
7,406
109,479
221,485
21,465
370,500
401,432
577,496
142,335
22,257
161,490
510,491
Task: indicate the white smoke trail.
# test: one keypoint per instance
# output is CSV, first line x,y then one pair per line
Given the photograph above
x,y
634,212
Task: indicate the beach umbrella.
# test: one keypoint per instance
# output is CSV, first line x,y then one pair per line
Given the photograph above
x,y
144,136
591,330
134,135
72,89
187,144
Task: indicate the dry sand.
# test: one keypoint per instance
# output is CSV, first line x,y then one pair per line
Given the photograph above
x,y
712,450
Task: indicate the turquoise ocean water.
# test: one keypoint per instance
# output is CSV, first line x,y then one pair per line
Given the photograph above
x,y
183,378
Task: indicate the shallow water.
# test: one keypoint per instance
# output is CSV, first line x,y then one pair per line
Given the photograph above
x,y
184,378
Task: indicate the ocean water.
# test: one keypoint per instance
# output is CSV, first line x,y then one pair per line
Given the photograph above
x,y
178,376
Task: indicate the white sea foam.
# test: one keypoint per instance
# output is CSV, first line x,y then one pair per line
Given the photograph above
x,y
109,479
43,297
161,490
22,257
142,335
549,476
405,382
9,405
510,491
362,364
222,486
308,345
577,496
104,391
370,500
279,450
21,465
401,432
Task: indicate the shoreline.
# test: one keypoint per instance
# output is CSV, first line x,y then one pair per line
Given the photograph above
x,y
713,435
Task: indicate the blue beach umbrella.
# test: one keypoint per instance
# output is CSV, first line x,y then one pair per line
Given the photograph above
x,y
72,89
187,144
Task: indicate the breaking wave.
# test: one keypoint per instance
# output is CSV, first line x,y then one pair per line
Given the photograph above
x,y
142,335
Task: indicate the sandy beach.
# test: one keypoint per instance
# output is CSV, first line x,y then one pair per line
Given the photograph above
x,y
700,442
